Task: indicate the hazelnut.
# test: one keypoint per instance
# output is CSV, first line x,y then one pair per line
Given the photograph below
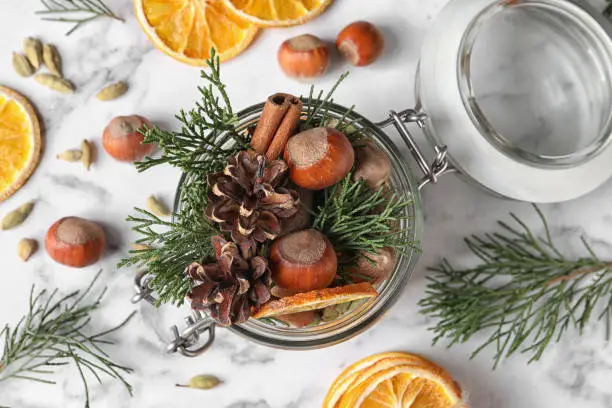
x,y
373,268
303,57
303,261
279,292
361,43
319,157
75,242
302,218
122,139
372,165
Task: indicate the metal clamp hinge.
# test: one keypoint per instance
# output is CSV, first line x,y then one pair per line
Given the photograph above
x,y
187,341
431,172
142,288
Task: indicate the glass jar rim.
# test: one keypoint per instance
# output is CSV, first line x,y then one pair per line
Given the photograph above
x,y
577,16
365,315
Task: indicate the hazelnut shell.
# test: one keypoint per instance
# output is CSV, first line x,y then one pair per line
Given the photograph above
x,y
122,140
361,43
75,242
303,261
319,157
304,56
373,268
372,165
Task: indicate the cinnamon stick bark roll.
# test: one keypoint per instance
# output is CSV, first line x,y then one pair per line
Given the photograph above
x,y
286,128
279,118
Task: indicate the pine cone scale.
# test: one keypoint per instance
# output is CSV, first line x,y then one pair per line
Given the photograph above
x,y
248,200
248,190
234,285
200,296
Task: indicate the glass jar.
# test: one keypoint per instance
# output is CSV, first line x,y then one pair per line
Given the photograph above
x,y
519,91
402,181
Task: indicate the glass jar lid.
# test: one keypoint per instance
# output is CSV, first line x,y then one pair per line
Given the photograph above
x,y
520,92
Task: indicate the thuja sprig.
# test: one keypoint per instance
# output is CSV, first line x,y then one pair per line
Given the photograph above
x,y
526,294
318,107
55,332
173,245
207,138
77,12
204,144
318,114
360,220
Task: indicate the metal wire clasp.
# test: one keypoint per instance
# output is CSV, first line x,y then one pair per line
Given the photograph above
x,y
187,341
440,162
143,291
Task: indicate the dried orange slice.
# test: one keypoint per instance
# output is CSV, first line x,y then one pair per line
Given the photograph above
x,y
187,29
366,367
316,299
20,141
277,13
394,380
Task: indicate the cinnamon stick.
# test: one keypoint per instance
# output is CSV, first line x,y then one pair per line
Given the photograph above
x,y
273,113
285,129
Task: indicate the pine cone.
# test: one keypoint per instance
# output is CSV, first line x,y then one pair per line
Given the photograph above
x,y
245,199
234,286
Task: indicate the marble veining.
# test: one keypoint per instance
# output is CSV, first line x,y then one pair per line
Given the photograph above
x,y
577,372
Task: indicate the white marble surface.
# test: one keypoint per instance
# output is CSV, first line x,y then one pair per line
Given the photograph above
x,y
575,373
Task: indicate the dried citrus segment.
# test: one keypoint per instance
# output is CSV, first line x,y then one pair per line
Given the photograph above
x,y
187,29
277,13
394,380
362,365
316,299
365,368
358,393
20,141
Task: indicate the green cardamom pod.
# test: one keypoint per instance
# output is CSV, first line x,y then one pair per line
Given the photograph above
x,y
72,155
17,216
157,207
87,156
202,382
52,59
112,91
25,248
141,247
33,49
22,66
54,82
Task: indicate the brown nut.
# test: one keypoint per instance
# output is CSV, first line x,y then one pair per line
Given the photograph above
x,y
123,141
373,268
75,242
302,218
372,165
303,261
319,157
361,43
304,56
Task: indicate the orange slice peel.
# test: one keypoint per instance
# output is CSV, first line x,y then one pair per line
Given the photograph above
x,y
277,13
394,380
20,141
186,30
316,299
